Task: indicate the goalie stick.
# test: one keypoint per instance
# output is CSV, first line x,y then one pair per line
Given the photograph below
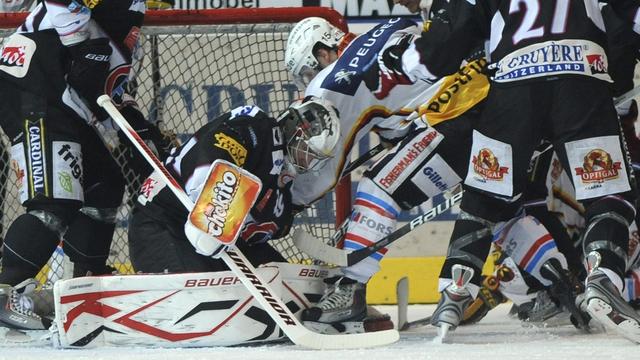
x,y
241,267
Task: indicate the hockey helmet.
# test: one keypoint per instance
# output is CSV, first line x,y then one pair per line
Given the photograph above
x,y
311,130
303,39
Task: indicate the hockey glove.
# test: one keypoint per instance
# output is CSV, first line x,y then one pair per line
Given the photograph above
x,y
89,70
488,298
385,73
156,140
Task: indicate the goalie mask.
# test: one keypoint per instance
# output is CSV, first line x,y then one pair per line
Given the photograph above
x,y
303,39
311,128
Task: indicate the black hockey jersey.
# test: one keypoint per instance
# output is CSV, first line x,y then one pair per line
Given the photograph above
x,y
36,58
528,39
247,137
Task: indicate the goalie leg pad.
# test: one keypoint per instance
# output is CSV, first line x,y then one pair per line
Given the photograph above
x,y
188,310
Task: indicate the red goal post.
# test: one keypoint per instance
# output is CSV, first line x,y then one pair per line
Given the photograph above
x,y
191,66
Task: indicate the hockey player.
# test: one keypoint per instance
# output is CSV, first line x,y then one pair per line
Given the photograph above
x,y
425,163
547,59
52,69
303,137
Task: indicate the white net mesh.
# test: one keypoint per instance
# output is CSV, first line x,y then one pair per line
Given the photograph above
x,y
188,75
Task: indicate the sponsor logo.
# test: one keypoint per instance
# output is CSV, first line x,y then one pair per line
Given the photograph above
x,y
435,178
274,301
147,187
116,82
238,152
221,281
65,181
91,3
371,223
412,153
313,273
597,64
255,233
132,38
15,166
278,162
13,56
598,167
37,167
374,35
223,194
465,76
263,202
504,273
486,164
343,76
73,161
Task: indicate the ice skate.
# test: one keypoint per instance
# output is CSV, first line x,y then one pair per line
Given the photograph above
x,y
605,304
455,298
17,308
563,292
342,309
545,312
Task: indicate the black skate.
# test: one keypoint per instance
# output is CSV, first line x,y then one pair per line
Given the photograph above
x,y
564,292
16,307
342,309
455,299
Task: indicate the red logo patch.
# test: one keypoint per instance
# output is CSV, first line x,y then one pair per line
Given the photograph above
x,y
486,164
597,64
12,56
598,167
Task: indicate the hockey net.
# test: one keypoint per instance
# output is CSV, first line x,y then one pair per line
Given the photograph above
x,y
191,67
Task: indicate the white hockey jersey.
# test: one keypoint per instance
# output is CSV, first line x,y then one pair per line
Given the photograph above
x,y
360,112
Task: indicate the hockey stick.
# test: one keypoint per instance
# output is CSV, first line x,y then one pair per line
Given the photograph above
x,y
627,96
329,254
241,267
363,159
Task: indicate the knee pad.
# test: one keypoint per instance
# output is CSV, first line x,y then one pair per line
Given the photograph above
x,y
28,245
529,244
607,233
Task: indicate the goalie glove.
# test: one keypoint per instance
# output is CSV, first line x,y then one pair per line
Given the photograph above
x,y
385,73
488,298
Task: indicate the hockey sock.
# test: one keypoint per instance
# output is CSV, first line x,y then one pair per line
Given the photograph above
x,y
607,232
87,243
27,247
470,245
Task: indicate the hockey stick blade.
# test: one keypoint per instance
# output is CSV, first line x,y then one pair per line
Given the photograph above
x,y
416,324
329,254
402,297
243,269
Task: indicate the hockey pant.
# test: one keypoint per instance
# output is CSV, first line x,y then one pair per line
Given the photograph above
x,y
423,165
578,117
61,166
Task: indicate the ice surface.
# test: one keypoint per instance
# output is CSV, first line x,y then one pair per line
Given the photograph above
x,y
496,337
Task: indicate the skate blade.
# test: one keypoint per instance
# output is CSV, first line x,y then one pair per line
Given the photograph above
x,y
443,330
605,314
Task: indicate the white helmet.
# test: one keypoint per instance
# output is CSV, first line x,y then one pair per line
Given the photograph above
x,y
311,129
303,38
